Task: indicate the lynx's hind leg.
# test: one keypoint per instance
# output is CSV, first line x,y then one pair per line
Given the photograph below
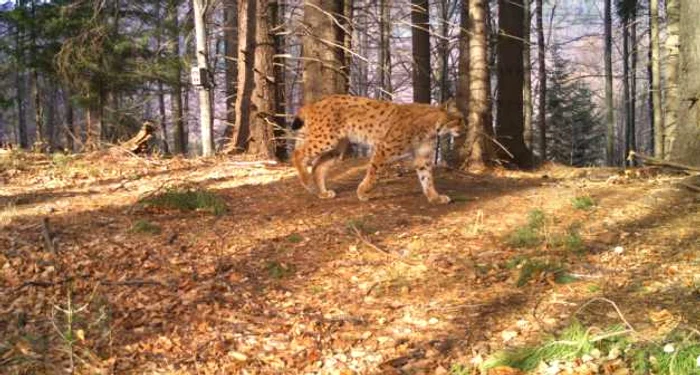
x,y
323,164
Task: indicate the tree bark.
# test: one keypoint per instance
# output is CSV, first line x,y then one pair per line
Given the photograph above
x,y
632,132
626,83
384,90
510,84
205,120
176,105
231,50
323,73
686,136
20,87
475,146
609,105
277,19
542,97
672,100
71,135
420,19
658,123
527,82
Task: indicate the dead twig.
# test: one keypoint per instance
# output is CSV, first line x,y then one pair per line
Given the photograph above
x,y
378,249
46,234
613,304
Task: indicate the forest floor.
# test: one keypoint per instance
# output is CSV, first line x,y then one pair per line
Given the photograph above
x,y
272,280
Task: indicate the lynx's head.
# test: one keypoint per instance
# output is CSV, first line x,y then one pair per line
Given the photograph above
x,y
453,123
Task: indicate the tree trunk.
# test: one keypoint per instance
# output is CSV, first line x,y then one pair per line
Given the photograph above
x,y
462,93
658,123
323,73
94,122
70,132
279,107
385,90
230,31
626,85
672,100
205,120
510,83
246,60
686,137
161,93
176,106
527,82
475,146
609,105
20,86
262,112
420,19
444,51
541,66
632,132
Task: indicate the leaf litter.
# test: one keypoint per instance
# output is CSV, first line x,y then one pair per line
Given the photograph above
x,y
281,282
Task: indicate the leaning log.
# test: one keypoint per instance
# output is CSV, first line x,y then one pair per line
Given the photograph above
x,y
139,143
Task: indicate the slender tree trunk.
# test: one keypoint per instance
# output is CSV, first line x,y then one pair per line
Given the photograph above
x,y
542,97
94,122
475,146
70,129
462,93
444,51
609,104
231,50
527,82
626,85
323,72
205,121
632,132
420,19
672,100
161,94
510,83
659,151
385,89
650,102
176,106
20,86
279,107
686,136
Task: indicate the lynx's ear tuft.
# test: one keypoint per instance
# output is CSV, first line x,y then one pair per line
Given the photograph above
x,y
450,106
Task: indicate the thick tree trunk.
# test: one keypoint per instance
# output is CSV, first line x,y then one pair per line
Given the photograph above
x,y
161,93
20,87
176,106
672,100
323,73
231,51
609,105
420,19
462,93
542,97
475,146
246,60
262,112
510,83
385,89
656,80
205,120
686,138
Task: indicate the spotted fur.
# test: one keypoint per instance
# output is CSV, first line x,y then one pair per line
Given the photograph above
x,y
392,130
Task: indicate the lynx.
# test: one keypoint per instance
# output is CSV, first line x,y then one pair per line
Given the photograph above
x,y
392,130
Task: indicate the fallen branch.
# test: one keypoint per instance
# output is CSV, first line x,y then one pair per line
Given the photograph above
x,y
48,284
648,160
378,249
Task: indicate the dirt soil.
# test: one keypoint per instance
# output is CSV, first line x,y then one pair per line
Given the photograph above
x,y
286,283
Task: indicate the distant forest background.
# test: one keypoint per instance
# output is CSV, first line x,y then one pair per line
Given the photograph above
x,y
576,82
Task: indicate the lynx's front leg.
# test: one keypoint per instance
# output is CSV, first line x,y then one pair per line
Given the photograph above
x,y
424,168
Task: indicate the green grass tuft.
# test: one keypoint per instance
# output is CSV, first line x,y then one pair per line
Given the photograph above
x,y
572,343
295,238
145,226
188,200
458,369
278,270
530,269
583,202
524,237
